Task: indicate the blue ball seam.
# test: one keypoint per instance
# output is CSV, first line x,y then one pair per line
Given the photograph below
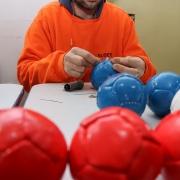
x,y
141,95
151,96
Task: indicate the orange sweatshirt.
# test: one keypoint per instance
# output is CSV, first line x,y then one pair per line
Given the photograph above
x,y
48,40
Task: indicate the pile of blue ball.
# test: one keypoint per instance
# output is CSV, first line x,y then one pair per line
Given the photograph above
x,y
127,91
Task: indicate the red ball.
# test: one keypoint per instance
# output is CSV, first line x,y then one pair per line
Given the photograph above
x,y
115,143
168,132
31,146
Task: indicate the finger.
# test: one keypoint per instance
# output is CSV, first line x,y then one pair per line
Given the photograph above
x,y
80,61
116,60
78,68
90,58
127,61
131,61
121,69
73,67
70,66
137,73
76,74
121,60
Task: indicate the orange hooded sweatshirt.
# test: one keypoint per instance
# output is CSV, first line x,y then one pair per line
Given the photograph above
x,y
50,35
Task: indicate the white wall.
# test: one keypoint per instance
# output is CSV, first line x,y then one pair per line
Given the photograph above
x,y
15,18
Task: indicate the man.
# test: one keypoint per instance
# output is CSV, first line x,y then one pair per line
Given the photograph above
x,y
68,38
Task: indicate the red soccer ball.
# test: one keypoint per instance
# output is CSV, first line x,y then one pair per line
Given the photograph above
x,y
115,144
31,146
168,131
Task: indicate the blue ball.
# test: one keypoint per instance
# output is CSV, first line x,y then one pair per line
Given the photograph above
x,y
101,72
160,91
123,90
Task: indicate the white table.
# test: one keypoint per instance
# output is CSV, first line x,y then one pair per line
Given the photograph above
x,y
10,95
68,109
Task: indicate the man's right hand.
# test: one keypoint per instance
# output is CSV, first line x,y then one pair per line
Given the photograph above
x,y
76,61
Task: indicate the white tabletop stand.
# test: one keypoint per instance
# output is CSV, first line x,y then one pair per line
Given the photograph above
x,y
68,109
10,95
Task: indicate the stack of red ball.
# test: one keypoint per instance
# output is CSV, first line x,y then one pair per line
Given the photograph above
x,y
111,144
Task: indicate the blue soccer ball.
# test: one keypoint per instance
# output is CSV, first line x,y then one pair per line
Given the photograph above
x,y
101,72
122,90
160,91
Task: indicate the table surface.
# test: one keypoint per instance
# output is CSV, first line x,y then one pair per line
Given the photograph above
x,y
68,109
10,94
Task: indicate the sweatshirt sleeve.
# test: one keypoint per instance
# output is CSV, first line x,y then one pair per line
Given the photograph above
x,y
132,47
38,63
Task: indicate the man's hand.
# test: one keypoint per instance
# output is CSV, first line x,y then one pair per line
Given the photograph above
x,y
76,61
132,65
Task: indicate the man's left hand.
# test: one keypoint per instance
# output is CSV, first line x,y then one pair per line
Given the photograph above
x,y
132,65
